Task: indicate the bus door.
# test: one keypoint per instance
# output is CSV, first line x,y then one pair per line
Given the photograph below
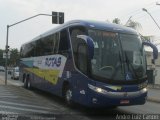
x,y
81,81
80,59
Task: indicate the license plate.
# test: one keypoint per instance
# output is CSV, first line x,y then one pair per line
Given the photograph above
x,y
124,102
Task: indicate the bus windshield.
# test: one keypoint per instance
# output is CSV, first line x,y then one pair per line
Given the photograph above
x,y
134,55
117,56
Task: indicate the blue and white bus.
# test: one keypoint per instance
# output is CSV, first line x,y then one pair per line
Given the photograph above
x,y
95,64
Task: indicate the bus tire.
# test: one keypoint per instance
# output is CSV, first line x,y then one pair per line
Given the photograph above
x,y
27,83
24,76
68,96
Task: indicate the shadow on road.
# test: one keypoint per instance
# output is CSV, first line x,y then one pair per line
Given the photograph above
x,y
79,109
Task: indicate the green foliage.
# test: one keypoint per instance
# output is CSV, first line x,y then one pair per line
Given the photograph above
x,y
133,24
14,57
116,21
2,61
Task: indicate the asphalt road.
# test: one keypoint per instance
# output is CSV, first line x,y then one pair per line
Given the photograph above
x,y
35,104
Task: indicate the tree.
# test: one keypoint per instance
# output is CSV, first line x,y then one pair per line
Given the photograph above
x,y
2,60
134,24
116,21
14,57
13,60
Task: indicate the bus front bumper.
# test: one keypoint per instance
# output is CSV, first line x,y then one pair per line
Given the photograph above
x,y
100,98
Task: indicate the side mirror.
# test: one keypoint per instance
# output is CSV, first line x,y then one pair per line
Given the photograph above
x,y
89,41
155,50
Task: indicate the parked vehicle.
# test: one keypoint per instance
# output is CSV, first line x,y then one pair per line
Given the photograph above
x,y
10,70
15,73
2,69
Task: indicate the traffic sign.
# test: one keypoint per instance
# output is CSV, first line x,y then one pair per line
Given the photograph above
x,y
4,55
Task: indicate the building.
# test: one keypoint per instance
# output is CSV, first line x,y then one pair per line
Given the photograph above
x,y
154,68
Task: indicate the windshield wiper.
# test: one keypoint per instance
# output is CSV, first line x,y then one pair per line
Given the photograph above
x,y
117,66
130,64
121,62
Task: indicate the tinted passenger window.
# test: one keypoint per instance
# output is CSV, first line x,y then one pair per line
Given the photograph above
x,y
63,44
55,42
28,50
45,46
48,45
39,48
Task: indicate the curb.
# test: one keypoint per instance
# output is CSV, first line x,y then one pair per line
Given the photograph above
x,y
151,99
154,86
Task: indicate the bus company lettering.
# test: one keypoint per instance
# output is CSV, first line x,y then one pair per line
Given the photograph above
x,y
53,61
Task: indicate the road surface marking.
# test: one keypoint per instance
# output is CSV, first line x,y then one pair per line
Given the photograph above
x,y
25,105
24,109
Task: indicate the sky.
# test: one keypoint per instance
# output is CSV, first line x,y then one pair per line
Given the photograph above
x,y
12,11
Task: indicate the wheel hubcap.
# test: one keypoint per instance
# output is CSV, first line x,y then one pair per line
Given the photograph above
x,y
25,82
29,84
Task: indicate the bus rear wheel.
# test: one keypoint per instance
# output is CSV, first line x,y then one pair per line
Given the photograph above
x,y
27,83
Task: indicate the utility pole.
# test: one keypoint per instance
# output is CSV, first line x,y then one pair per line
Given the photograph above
x,y
157,3
6,55
151,17
128,20
61,17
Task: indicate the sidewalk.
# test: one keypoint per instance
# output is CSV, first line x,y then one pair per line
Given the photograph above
x,y
2,81
10,82
154,95
154,86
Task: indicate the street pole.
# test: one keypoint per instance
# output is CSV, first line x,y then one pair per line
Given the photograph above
x,y
157,3
6,55
151,17
128,20
6,60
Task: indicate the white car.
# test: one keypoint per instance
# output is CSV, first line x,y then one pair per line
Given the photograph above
x,y
15,73
2,69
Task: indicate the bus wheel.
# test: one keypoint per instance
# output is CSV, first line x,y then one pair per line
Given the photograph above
x,y
27,83
68,96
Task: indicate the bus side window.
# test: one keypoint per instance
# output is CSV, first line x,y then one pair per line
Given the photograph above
x,y
28,50
55,43
63,43
48,45
39,48
22,52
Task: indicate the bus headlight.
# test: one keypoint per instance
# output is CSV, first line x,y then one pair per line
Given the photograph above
x,y
144,90
97,89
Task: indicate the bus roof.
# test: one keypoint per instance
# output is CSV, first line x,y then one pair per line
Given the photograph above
x,y
104,26
90,24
